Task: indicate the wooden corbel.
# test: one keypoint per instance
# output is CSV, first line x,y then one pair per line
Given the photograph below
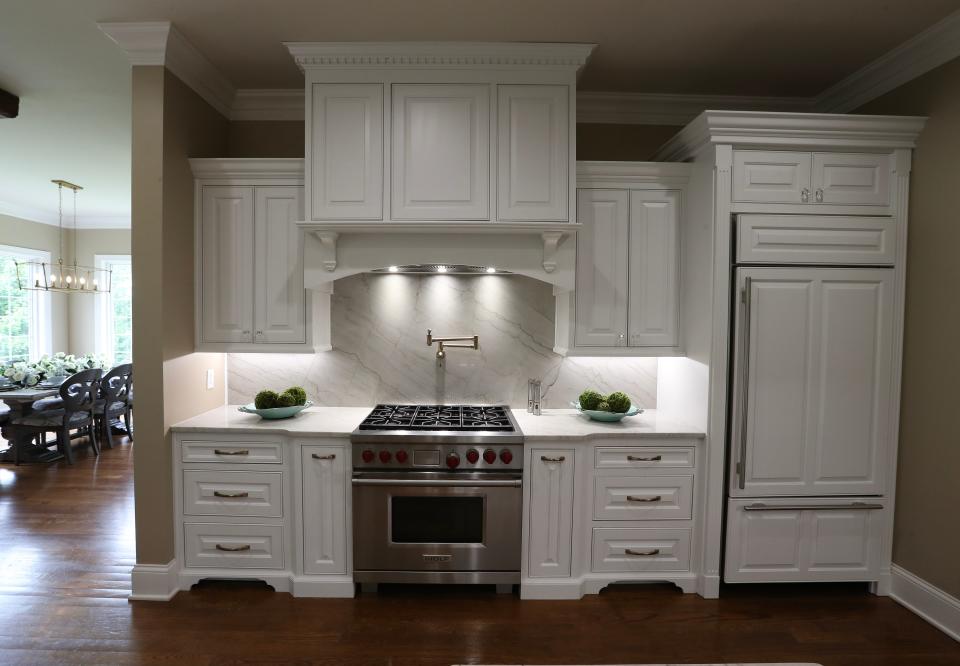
x,y
551,240
328,240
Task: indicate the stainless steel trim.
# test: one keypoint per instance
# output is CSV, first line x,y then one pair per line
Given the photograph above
x,y
327,456
233,549
235,452
220,493
398,481
450,577
644,458
747,295
642,553
853,506
548,459
635,498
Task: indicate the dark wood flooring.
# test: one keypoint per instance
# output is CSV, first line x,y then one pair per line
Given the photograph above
x,y
67,545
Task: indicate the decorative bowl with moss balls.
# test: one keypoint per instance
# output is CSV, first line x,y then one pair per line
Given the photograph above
x,y
273,405
609,408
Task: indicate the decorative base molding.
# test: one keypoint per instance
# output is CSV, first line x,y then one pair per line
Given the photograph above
x,y
154,582
709,587
330,587
553,589
931,603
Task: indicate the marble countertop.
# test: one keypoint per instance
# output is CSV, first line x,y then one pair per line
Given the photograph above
x,y
553,424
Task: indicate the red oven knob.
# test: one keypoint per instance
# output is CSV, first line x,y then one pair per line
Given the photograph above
x,y
385,456
490,456
401,456
473,456
453,460
367,456
506,457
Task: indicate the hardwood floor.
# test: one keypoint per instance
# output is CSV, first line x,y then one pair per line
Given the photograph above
x,y
66,548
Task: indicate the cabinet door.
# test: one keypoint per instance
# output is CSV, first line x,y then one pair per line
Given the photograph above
x,y
441,152
280,300
345,167
324,493
601,306
550,524
226,269
654,268
851,179
815,371
771,176
533,160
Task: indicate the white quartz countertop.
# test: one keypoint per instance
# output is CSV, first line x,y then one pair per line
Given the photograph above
x,y
553,424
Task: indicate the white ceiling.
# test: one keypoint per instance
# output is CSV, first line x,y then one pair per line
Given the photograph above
x,y
74,83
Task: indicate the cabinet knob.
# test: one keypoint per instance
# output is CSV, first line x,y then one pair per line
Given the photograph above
x,y
245,332
819,195
805,195
259,332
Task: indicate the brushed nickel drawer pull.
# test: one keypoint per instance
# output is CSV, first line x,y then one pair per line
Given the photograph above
x,y
233,549
853,506
235,452
548,459
656,458
220,493
636,498
324,456
642,553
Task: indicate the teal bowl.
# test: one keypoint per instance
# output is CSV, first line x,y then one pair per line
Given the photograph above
x,y
607,417
275,412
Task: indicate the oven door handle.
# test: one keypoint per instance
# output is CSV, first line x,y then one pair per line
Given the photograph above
x,y
465,483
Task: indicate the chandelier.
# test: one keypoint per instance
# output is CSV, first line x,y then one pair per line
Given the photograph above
x,y
62,277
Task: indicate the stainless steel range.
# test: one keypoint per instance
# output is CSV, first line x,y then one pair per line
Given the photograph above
x,y
437,495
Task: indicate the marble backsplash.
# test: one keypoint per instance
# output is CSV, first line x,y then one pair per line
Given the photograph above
x,y
379,325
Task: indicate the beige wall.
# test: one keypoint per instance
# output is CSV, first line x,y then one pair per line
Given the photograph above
x,y
170,124
82,324
269,138
926,538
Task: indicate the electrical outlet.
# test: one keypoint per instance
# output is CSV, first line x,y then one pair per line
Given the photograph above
x,y
209,378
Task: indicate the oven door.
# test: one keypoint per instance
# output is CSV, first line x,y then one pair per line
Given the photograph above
x,y
437,522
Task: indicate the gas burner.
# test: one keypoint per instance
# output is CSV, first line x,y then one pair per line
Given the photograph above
x,y
439,423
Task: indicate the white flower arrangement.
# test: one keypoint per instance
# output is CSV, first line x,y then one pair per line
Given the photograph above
x,y
59,365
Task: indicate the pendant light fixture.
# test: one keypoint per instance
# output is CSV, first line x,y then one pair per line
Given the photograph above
x,y
63,277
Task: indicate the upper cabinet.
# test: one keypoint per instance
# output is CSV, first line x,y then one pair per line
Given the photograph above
x,y
429,132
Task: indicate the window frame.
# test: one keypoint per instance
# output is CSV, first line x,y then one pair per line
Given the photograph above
x,y
40,340
103,331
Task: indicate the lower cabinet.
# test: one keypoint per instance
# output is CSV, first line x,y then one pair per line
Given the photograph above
x,y
550,524
324,495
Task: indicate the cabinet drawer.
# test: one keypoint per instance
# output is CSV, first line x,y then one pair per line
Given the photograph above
x,y
631,457
640,549
233,546
805,239
771,176
231,451
211,493
643,498
803,540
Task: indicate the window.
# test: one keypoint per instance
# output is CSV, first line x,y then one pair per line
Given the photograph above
x,y
25,332
114,310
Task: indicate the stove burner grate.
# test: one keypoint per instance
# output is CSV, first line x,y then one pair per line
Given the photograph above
x,y
459,418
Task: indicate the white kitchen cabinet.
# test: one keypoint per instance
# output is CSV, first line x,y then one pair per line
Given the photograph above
x,y
226,278
551,506
533,157
602,273
771,176
814,362
851,179
441,152
654,285
279,299
324,493
345,146
798,540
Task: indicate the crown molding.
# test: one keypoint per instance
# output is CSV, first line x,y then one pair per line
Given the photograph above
x,y
160,43
268,104
527,55
938,44
245,167
603,174
49,217
670,109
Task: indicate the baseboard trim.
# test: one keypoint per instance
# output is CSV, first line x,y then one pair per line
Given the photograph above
x,y
154,582
931,603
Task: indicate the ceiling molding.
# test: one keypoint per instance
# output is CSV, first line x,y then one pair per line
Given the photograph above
x,y
43,216
267,104
938,44
160,43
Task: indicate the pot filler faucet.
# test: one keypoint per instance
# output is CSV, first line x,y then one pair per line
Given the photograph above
x,y
473,342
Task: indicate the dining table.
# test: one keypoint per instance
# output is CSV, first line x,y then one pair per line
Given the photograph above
x,y
20,401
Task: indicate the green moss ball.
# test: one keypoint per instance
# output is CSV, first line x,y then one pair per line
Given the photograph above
x,y
589,399
298,394
266,399
603,406
286,399
619,402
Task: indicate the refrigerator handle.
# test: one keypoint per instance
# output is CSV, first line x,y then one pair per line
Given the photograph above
x,y
745,298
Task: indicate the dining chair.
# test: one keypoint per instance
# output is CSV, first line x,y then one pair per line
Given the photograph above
x,y
115,401
79,394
